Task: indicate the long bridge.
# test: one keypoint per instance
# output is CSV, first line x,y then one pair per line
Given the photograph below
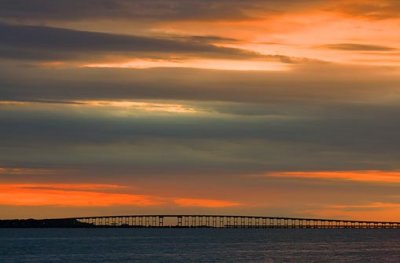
x,y
198,221
228,221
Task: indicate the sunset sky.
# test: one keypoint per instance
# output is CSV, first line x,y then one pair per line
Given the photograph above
x,y
256,107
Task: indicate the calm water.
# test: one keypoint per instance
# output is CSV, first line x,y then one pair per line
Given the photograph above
x,y
199,245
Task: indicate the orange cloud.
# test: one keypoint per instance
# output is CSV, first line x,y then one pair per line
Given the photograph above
x,y
298,33
85,187
359,176
73,195
204,202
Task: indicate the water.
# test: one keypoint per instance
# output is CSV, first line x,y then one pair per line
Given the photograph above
x,y
199,245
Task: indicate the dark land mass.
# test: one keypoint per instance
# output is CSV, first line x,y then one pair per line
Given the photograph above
x,y
44,223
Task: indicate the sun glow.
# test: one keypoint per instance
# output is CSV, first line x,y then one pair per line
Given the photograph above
x,y
110,104
140,105
215,64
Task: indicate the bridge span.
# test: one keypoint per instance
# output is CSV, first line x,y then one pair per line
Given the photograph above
x,y
225,221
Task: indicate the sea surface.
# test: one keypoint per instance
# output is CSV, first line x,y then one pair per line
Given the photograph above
x,y
199,245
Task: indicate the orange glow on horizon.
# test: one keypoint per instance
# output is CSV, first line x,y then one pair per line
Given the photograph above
x,y
376,211
72,195
91,195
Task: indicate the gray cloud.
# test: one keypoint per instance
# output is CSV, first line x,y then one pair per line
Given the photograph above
x,y
328,137
47,43
43,10
164,10
317,84
358,47
167,10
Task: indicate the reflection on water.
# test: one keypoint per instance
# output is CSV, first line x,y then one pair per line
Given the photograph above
x,y
199,245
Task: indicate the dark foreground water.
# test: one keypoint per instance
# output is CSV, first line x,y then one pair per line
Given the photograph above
x,y
199,245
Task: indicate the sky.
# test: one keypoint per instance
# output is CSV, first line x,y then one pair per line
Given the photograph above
x,y
270,108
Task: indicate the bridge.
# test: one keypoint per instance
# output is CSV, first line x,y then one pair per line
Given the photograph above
x,y
225,221
195,221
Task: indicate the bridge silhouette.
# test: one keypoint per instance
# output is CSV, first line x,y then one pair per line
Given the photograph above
x,y
225,221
